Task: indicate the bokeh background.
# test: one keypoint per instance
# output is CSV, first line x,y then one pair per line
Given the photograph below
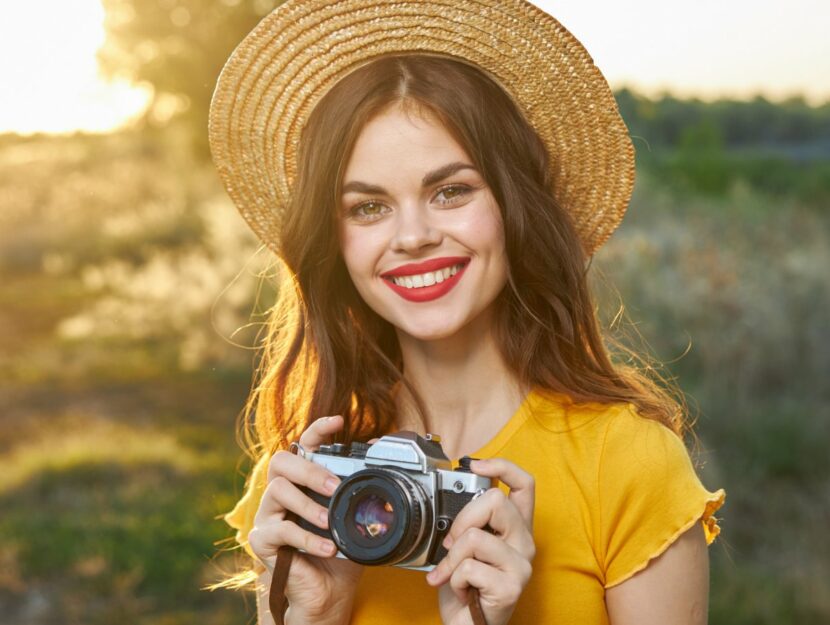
x,y
132,295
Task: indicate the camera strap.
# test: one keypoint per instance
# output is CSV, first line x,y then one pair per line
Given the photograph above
x,y
276,598
278,602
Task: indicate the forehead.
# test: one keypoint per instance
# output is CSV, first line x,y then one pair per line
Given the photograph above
x,y
397,140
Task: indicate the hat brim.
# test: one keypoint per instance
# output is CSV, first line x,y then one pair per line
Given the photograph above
x,y
282,69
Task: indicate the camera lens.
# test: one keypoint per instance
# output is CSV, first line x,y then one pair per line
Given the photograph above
x,y
373,516
377,516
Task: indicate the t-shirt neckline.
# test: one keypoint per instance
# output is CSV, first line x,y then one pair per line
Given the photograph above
x,y
491,448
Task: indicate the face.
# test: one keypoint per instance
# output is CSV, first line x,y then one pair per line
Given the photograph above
x,y
420,231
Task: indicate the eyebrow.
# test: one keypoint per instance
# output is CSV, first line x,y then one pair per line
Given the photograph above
x,y
431,178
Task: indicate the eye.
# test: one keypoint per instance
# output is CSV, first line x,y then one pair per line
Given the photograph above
x,y
452,193
368,211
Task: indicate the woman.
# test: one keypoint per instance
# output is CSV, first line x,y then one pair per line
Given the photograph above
x,y
441,175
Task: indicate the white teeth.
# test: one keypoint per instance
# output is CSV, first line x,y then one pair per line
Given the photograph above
x,y
427,279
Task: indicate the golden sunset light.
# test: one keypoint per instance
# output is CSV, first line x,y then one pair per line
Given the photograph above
x,y
49,71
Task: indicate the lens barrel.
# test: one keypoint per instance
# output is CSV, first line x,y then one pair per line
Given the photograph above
x,y
378,516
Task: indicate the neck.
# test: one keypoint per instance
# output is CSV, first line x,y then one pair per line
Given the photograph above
x,y
468,391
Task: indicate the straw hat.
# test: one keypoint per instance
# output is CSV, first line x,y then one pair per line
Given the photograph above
x,y
280,71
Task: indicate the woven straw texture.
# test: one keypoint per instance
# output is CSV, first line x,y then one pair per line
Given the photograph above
x,y
278,73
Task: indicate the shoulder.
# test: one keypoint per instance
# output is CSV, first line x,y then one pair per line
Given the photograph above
x,y
558,413
613,432
605,427
639,459
591,439
640,442
632,475
649,494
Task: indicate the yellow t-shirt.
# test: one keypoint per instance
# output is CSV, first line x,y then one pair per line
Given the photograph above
x,y
613,491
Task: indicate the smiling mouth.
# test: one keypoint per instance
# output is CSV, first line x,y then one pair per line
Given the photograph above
x,y
428,278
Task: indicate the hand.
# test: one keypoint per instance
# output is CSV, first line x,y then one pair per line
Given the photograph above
x,y
318,584
497,564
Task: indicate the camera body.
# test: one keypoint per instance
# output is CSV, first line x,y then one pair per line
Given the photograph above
x,y
396,500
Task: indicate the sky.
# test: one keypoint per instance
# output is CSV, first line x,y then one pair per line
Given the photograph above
x,y
706,48
735,48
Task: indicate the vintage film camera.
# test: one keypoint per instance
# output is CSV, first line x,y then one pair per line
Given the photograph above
x,y
396,500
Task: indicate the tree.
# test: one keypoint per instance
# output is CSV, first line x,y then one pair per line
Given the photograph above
x,y
177,47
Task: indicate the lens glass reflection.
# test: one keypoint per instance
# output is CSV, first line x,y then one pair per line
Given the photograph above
x,y
373,517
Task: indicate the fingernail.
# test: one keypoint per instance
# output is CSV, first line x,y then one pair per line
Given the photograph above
x,y
432,576
331,485
448,541
324,518
326,546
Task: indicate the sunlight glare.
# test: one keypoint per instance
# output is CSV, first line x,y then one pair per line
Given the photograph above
x,y
50,74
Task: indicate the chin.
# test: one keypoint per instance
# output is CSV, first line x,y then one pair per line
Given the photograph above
x,y
423,334
429,330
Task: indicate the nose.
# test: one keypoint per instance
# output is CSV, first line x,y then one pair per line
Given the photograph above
x,y
414,231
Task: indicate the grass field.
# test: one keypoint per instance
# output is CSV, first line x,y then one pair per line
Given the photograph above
x,y
129,301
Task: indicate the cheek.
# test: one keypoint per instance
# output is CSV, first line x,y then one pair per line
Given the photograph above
x,y
358,251
483,231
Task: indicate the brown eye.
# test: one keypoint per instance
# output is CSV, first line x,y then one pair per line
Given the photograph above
x,y
452,192
368,211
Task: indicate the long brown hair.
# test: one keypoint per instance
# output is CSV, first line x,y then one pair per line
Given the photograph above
x,y
326,352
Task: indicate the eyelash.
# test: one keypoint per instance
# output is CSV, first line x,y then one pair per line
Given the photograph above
x,y
464,189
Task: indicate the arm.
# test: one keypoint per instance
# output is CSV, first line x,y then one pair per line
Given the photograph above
x,y
673,588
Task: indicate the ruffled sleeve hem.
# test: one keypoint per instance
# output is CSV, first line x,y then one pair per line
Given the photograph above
x,y
711,529
241,518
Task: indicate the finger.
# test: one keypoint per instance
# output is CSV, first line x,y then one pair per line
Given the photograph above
x,y
320,431
302,472
521,483
497,588
480,545
281,495
495,510
266,539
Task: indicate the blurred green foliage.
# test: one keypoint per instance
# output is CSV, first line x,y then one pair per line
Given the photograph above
x,y
178,48
781,148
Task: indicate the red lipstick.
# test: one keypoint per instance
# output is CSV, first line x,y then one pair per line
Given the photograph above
x,y
426,293
433,264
